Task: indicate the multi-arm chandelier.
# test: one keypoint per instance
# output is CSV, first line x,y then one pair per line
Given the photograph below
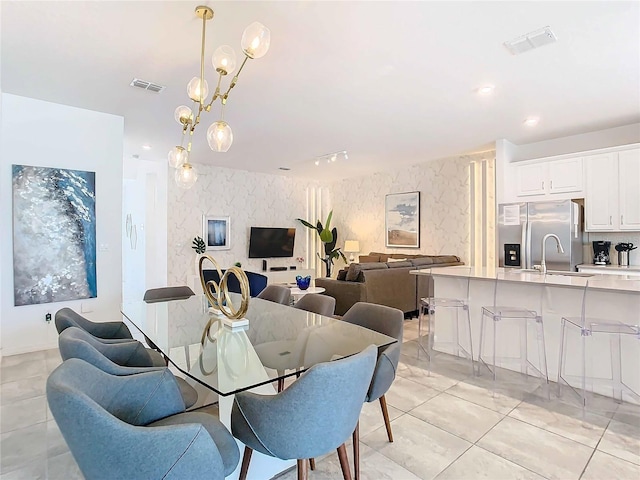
x,y
255,43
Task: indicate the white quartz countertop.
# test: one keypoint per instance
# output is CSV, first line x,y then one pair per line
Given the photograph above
x,y
624,283
615,268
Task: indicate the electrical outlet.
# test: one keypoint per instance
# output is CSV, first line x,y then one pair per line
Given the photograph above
x,y
47,317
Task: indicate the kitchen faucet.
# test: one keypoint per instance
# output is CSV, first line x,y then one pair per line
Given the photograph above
x,y
543,264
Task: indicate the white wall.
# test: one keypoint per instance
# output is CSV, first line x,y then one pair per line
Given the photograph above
x,y
144,258
45,134
250,199
358,206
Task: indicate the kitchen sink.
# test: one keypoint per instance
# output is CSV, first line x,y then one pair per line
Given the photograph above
x,y
551,272
569,274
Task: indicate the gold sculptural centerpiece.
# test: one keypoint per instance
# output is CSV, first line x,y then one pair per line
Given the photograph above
x,y
218,293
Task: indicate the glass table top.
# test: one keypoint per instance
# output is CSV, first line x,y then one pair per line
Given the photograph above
x,y
278,342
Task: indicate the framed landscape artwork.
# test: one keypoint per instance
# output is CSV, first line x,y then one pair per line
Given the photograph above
x,y
402,220
217,232
54,235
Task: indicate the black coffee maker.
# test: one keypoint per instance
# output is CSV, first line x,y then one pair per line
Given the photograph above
x,y
601,252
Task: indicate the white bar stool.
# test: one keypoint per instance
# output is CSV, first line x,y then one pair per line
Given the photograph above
x,y
499,313
428,307
590,327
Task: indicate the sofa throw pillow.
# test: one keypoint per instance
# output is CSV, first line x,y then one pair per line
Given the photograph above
x,y
342,274
353,272
419,262
396,260
403,264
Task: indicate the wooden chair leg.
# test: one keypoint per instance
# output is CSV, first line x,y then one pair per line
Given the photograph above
x,y
385,414
344,462
302,469
356,452
312,463
246,458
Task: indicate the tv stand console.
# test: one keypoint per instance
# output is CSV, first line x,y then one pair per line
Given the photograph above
x,y
288,276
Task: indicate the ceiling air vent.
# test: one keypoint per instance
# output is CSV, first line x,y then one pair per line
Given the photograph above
x,y
152,87
531,40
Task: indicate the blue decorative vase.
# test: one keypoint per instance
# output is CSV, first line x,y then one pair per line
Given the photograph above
x,y
303,282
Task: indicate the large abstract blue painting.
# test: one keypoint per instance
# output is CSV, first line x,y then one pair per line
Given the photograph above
x,y
54,235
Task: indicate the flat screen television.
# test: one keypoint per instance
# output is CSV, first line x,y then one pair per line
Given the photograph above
x,y
269,242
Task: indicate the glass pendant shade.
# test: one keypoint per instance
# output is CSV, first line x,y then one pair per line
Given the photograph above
x,y
219,136
224,59
183,114
186,176
194,91
255,40
177,156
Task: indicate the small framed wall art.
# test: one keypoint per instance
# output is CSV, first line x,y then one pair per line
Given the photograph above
x,y
216,232
402,220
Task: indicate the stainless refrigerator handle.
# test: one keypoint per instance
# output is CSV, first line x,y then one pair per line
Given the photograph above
x,y
526,244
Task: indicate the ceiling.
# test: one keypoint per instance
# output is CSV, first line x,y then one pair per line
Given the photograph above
x,y
393,83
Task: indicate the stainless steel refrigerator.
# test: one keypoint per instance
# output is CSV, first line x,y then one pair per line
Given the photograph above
x,y
522,226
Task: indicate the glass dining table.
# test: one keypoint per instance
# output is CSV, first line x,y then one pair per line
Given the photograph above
x,y
218,361
279,342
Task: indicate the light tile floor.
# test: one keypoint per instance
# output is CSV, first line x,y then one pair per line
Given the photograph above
x,y
447,424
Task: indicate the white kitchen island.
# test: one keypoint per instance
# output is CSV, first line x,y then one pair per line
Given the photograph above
x,y
555,296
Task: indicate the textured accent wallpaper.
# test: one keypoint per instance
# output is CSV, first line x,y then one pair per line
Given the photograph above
x,y
358,206
249,198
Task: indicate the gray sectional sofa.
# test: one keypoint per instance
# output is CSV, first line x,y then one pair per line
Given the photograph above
x,y
384,279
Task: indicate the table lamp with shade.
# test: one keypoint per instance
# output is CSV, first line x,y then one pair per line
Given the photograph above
x,y
352,246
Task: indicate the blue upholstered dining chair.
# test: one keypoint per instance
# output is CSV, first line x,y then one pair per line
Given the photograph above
x,y
127,354
316,303
135,426
315,415
76,343
277,294
116,331
388,321
166,294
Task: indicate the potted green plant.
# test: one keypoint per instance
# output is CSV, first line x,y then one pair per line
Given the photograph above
x,y
329,239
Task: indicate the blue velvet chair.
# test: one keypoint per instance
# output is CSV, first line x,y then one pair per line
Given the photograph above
x,y
135,426
257,282
316,303
76,343
315,415
276,294
116,331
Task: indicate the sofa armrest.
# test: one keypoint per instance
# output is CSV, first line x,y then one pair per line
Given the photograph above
x,y
345,293
393,287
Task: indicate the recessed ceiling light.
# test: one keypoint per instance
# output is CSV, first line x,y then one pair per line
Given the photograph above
x,y
486,90
531,121
146,147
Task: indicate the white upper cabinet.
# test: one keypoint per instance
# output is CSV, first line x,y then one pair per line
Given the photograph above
x,y
601,204
548,180
629,176
530,179
612,196
566,176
